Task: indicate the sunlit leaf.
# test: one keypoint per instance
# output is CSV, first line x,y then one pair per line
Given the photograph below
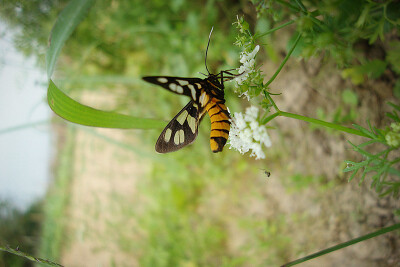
x,y
69,109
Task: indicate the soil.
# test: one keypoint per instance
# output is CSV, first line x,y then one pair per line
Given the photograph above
x,y
103,175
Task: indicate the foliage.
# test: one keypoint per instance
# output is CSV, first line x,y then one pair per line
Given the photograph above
x,y
175,203
53,232
321,32
18,230
386,180
337,29
346,13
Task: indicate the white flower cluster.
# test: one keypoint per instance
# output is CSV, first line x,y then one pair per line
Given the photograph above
x,y
248,65
246,133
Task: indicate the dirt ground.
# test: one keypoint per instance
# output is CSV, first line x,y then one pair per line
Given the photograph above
x,y
104,173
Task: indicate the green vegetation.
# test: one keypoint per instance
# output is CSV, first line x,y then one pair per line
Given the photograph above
x,y
195,208
19,230
55,208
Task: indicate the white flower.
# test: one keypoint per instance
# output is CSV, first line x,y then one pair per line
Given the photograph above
x,y
248,65
245,94
247,134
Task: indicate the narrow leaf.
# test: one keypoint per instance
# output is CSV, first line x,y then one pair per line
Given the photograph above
x,y
66,22
394,106
364,131
69,109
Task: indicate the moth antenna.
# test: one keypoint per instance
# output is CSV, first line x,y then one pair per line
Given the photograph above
x,y
208,44
203,74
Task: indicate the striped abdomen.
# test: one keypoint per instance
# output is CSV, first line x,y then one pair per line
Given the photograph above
x,y
220,124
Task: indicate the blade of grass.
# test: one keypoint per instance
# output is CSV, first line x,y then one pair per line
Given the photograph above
x,y
27,256
345,244
66,23
69,109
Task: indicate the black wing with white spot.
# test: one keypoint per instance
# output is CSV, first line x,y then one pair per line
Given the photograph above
x,y
181,131
178,85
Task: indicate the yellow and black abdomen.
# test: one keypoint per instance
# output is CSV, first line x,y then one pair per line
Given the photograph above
x,y
220,124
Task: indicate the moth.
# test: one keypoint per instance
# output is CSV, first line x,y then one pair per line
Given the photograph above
x,y
206,96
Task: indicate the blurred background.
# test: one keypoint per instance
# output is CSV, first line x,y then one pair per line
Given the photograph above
x,y
85,196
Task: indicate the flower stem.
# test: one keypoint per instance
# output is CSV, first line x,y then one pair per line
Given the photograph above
x,y
276,28
345,244
302,7
307,119
322,123
283,62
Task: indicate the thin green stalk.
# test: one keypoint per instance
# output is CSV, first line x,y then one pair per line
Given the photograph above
x,y
24,126
395,161
268,96
283,62
307,119
289,5
302,7
323,123
27,256
276,28
318,22
345,244
270,118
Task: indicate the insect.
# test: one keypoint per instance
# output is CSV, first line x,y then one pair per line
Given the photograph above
x,y
207,96
267,173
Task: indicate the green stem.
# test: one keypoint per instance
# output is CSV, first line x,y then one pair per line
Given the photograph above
x,y
27,256
268,96
395,161
289,5
310,120
276,28
302,7
24,126
283,62
318,22
345,244
323,123
269,118
307,119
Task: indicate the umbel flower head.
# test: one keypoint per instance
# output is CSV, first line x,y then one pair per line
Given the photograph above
x,y
250,81
248,65
393,136
247,134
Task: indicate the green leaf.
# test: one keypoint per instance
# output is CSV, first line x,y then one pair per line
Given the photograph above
x,y
374,69
396,89
392,11
66,22
393,56
354,165
396,107
356,76
69,109
364,131
349,97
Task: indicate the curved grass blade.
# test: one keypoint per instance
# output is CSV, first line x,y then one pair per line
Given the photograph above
x,y
66,22
69,109
27,256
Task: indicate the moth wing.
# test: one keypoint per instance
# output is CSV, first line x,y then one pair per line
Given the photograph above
x,y
181,131
190,87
